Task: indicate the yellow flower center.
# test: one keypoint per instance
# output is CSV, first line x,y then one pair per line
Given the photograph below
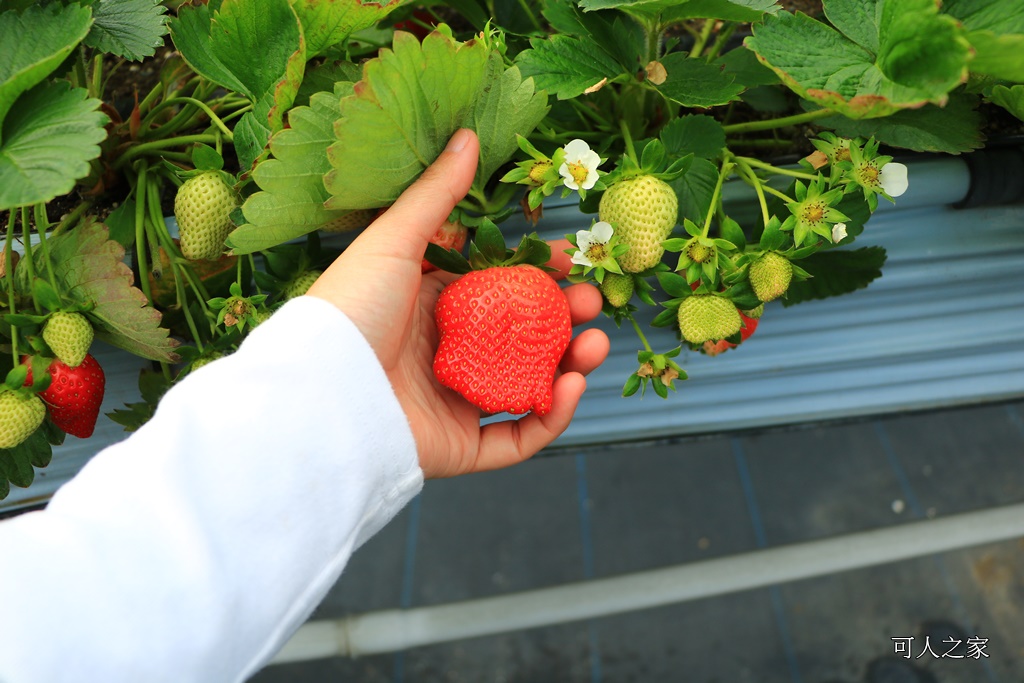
x,y
578,172
868,174
813,212
538,170
597,253
843,153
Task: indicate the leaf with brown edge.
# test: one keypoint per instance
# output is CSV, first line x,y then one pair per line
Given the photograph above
x,y
90,270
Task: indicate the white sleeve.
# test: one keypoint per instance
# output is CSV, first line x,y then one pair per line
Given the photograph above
x,y
195,548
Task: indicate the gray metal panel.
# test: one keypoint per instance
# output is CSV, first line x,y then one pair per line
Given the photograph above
x,y
943,326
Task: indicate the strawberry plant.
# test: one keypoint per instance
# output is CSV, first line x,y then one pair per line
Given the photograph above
x,y
116,116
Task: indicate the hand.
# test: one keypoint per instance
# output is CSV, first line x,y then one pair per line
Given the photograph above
x,y
377,283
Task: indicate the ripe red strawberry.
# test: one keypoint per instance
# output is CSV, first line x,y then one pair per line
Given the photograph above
x,y
643,211
451,235
74,395
503,329
20,415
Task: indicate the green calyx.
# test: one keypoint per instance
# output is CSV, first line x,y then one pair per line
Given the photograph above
x,y
488,250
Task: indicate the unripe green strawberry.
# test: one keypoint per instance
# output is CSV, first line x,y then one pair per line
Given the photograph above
x,y
301,284
770,276
203,209
643,211
20,415
617,289
706,317
353,220
69,335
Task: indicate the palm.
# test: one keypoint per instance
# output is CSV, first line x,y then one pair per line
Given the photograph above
x,y
447,427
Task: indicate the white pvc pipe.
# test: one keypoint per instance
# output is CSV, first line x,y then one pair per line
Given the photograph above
x,y
395,630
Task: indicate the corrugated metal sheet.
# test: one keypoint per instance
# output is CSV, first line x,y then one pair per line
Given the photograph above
x,y
943,326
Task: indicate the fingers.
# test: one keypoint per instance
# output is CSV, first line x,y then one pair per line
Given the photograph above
x,y
503,444
559,259
585,302
406,227
586,352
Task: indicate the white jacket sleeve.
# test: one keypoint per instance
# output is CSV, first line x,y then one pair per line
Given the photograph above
x,y
192,550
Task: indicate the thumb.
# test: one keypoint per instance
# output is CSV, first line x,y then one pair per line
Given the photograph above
x,y
405,229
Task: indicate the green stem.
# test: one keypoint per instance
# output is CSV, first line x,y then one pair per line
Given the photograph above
x,y
720,41
533,19
653,33
640,333
30,269
81,80
214,119
628,140
9,280
781,195
757,163
72,218
96,89
722,174
150,97
179,287
42,224
751,178
763,143
140,231
702,39
157,145
782,122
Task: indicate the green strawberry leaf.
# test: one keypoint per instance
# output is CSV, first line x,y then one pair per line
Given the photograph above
x,y
291,199
669,11
695,83
511,107
1009,98
836,272
623,40
206,158
90,271
744,66
699,135
880,58
996,32
675,285
16,463
567,66
695,189
952,129
322,78
218,41
121,223
401,115
33,43
328,22
132,29
48,141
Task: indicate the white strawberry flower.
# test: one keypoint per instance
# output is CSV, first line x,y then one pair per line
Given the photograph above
x,y
580,167
838,232
592,245
893,178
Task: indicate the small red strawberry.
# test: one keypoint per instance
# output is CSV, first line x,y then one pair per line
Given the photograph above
x,y
503,329
451,235
74,395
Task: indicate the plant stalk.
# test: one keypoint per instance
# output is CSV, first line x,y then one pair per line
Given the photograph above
x,y
782,122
